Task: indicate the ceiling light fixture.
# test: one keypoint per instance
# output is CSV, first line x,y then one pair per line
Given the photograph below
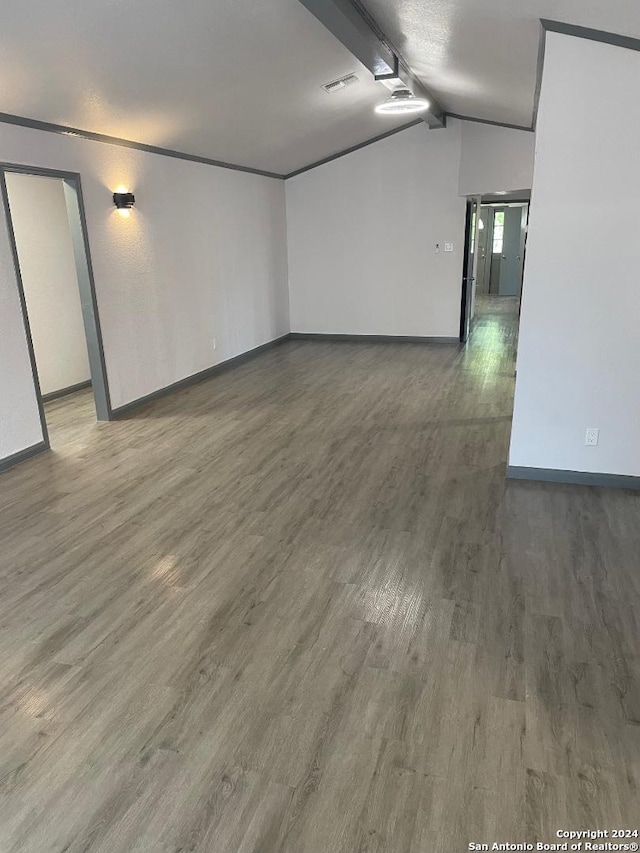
x,y
401,102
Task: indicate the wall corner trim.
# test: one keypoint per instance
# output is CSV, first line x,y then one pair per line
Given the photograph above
x,y
576,478
51,127
353,148
22,455
207,373
615,39
491,123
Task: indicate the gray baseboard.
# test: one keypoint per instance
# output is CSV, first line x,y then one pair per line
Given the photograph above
x,y
197,377
578,478
64,392
22,455
245,356
373,339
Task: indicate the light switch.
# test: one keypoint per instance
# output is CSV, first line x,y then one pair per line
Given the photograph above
x,y
448,247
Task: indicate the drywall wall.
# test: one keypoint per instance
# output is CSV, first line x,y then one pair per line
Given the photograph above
x,y
45,251
20,426
362,235
362,229
495,159
202,258
578,351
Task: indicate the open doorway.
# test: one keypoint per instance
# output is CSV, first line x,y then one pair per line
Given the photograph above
x,y
502,230
47,230
496,234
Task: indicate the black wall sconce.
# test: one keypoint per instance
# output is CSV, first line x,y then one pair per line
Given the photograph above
x,y
124,201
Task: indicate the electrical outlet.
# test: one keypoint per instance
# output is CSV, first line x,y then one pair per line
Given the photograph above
x,y
448,247
215,344
591,438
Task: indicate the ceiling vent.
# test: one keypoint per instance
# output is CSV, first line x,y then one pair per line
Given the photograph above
x,y
340,83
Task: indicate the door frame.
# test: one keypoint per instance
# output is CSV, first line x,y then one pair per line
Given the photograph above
x,y
494,205
469,265
72,187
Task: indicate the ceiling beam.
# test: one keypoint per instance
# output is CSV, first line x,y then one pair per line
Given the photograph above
x,y
363,38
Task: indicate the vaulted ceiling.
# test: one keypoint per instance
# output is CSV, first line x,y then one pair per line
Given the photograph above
x,y
241,80
233,80
480,56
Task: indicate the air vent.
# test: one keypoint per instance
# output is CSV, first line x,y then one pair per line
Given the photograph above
x,y
340,83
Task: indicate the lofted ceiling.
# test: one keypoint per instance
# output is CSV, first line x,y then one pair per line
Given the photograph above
x,y
480,56
240,80
232,80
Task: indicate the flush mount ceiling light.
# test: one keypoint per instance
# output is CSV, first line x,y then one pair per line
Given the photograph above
x,y
401,102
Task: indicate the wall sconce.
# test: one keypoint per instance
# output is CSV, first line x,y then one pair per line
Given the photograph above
x,y
124,202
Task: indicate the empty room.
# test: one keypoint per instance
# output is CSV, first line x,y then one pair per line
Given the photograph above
x,y
319,426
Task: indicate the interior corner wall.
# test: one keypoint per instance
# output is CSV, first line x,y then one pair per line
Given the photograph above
x,y
202,258
362,235
362,229
495,159
579,343
49,280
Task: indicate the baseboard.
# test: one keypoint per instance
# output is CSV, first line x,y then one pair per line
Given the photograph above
x,y
208,373
578,478
22,455
373,339
64,392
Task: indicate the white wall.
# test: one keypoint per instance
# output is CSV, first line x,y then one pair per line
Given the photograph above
x,y
203,256
579,339
495,159
362,231
19,418
45,250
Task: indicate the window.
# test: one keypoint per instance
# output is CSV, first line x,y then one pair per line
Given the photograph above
x,y
498,232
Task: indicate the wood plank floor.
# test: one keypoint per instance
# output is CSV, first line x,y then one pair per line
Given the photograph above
x,y
298,608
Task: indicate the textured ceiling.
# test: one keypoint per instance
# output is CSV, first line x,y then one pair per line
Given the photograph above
x,y
232,80
480,56
240,80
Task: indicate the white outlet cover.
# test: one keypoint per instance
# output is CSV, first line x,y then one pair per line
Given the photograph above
x,y
448,247
592,436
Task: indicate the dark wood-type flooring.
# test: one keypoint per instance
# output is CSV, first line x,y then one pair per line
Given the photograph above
x,y
298,608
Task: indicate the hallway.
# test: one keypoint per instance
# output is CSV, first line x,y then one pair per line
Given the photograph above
x,y
298,607
71,422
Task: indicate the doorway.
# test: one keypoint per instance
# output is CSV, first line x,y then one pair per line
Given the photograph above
x,y
502,230
48,235
493,269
